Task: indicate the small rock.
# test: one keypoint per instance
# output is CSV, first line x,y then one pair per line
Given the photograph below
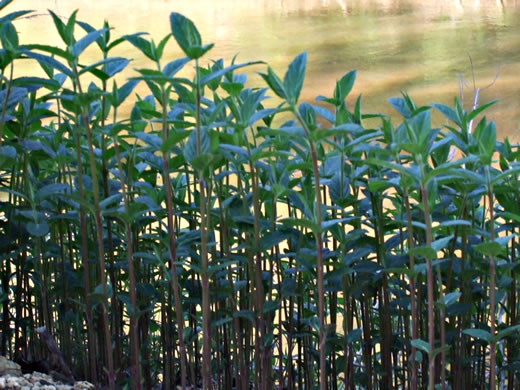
x,y
84,386
7,367
39,381
13,382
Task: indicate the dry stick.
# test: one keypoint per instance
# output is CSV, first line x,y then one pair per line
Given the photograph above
x,y
476,96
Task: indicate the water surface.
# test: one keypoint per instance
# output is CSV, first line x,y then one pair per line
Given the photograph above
x,y
419,46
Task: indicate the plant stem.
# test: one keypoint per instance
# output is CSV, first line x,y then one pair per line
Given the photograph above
x,y
206,313
319,256
134,337
179,312
413,383
492,277
99,233
430,289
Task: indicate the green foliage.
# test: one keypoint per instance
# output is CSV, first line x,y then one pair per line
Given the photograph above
x,y
243,179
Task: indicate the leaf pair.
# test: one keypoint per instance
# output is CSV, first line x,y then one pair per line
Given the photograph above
x,y
291,86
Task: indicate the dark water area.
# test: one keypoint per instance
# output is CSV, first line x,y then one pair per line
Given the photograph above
x,y
415,46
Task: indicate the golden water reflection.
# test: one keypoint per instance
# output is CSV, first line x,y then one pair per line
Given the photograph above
x,y
414,45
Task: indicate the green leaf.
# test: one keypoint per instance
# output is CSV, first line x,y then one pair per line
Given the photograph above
x,y
202,161
354,335
86,41
111,66
69,27
39,229
219,73
421,345
5,3
161,45
60,26
190,151
421,268
150,139
438,350
53,189
487,139
423,251
326,225
489,248
344,86
13,15
271,306
174,66
478,110
173,139
51,50
308,115
448,112
271,239
505,333
8,151
441,243
124,91
98,294
142,44
387,164
9,37
115,198
103,39
247,314
451,298
274,83
49,61
184,31
187,36
293,79
503,175
339,188
305,223
401,107
478,334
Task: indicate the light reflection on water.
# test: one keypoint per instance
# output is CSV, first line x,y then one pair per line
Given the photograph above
x,y
413,45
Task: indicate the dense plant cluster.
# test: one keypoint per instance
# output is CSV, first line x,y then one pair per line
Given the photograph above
x,y
203,240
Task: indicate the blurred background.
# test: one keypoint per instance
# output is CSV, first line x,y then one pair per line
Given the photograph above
x,y
417,46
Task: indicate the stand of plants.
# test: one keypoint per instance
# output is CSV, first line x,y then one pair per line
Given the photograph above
x,y
201,234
